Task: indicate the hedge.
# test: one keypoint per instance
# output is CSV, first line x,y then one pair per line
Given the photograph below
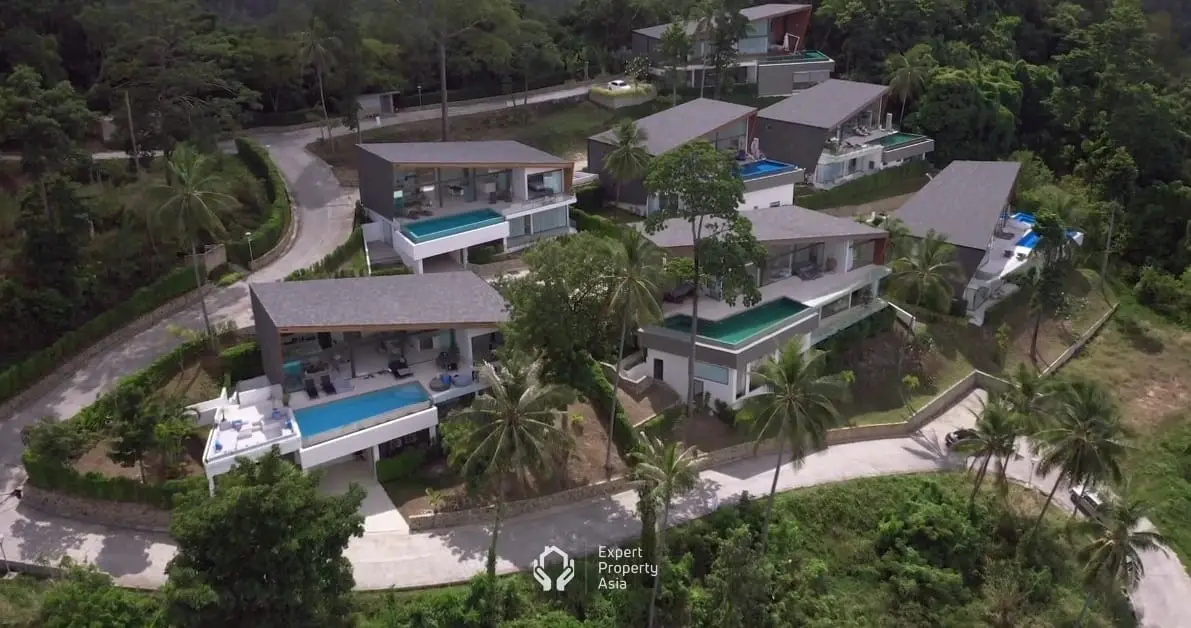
x,y
268,235
25,373
596,224
400,466
329,265
593,385
242,361
884,184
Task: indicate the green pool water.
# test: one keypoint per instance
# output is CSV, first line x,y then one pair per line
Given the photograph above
x,y
897,138
740,327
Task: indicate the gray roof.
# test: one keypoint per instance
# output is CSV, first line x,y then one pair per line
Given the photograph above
x,y
463,153
432,300
963,202
676,126
773,224
759,12
825,105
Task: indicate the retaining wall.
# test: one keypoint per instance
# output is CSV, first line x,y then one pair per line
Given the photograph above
x,y
620,102
1079,344
111,513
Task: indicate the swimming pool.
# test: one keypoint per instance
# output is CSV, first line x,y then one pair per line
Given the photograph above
x,y
1029,240
802,56
763,168
434,228
896,139
740,327
342,412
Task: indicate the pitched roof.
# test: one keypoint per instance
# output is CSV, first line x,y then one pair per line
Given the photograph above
x,y
825,105
462,153
432,299
963,202
676,126
773,224
759,12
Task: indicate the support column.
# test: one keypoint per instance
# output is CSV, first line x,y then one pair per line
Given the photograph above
x,y
433,433
466,359
463,257
211,485
375,458
418,267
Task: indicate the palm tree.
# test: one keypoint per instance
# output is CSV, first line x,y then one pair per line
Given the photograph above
x,y
995,437
1083,441
636,273
900,237
518,430
190,197
675,49
628,160
1029,396
1113,556
668,470
928,271
315,48
907,75
706,15
797,404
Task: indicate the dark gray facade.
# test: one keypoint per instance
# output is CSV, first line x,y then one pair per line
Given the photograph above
x,y
648,46
908,151
969,260
780,79
269,340
795,144
375,180
632,192
677,343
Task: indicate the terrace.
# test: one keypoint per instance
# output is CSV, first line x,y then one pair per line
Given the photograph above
x,y
246,424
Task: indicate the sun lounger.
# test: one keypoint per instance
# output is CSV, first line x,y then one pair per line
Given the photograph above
x,y
327,386
311,389
400,369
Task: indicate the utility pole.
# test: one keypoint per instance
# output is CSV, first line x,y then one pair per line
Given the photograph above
x,y
136,152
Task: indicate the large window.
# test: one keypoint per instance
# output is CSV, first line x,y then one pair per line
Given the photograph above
x,y
863,253
545,183
549,220
711,372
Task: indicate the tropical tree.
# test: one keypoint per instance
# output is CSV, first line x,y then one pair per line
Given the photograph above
x,y
907,74
798,405
190,197
636,273
926,273
1119,534
1046,282
675,50
629,159
316,48
1083,440
668,470
1029,396
995,437
515,430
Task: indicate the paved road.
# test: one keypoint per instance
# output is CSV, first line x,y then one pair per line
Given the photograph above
x,y
388,559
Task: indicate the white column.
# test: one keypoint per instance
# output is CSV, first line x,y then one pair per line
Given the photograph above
x,y
375,458
732,392
520,185
433,433
463,338
463,257
211,484
418,267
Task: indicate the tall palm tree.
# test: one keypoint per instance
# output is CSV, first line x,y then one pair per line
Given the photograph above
x,y
316,49
706,15
668,470
518,430
1084,438
675,50
907,75
636,272
628,160
190,198
1029,396
900,237
928,271
1113,556
798,404
995,436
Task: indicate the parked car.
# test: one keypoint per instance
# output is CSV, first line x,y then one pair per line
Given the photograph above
x,y
618,84
1087,500
959,436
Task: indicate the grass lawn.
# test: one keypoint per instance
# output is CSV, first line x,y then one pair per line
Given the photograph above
x,y
20,600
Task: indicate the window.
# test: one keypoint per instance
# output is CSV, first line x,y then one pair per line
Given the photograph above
x,y
426,342
837,306
711,372
863,253
549,220
776,204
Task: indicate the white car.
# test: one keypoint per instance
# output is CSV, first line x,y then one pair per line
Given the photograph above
x,y
1087,500
618,84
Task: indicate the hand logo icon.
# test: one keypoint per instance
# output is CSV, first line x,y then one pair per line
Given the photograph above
x,y
544,579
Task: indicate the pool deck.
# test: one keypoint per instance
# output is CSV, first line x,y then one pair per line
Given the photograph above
x,y
997,265
372,373
455,205
811,293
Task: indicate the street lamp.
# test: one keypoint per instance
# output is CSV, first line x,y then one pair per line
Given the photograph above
x,y
248,236
419,95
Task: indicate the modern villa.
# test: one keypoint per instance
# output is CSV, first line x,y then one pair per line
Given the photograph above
x,y
838,131
970,204
354,367
431,201
772,54
728,126
822,275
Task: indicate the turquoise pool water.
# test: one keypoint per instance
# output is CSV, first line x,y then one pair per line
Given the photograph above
x,y
348,410
762,168
897,138
434,228
802,56
1024,217
740,327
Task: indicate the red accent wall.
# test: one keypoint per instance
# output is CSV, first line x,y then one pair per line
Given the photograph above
x,y
879,251
752,129
796,24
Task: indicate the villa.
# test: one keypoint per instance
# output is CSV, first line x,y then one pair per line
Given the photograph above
x,y
771,54
731,127
822,275
431,201
354,367
838,131
970,204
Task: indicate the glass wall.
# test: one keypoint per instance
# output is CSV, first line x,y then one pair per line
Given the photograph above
x,y
863,253
549,220
494,186
545,183
711,372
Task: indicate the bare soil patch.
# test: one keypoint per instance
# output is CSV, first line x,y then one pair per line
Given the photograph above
x,y
649,404
709,433
198,381
96,460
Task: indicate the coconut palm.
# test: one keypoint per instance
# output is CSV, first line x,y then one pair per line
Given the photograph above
x,y
995,436
907,74
315,48
1083,440
636,272
191,196
668,470
675,49
927,272
518,430
797,404
1029,396
900,237
1113,556
628,160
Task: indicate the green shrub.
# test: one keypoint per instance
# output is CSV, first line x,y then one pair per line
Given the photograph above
x,y
401,466
23,374
242,361
1164,293
596,224
889,182
482,254
589,198
230,279
635,89
593,385
329,265
392,270
268,235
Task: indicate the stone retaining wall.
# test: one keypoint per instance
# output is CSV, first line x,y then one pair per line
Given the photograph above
x,y
430,521
619,102
111,513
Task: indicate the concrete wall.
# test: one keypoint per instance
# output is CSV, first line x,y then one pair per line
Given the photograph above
x,y
676,343
781,194
376,181
621,101
631,192
119,514
269,340
430,520
780,79
792,143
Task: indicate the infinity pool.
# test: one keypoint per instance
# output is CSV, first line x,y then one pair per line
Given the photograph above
x,y
802,56
896,139
342,412
434,228
740,327
762,168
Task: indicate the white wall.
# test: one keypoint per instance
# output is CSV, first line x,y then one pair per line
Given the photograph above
x,y
674,374
346,445
411,251
783,194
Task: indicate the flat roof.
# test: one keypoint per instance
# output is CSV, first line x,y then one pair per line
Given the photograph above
x,y
825,105
759,12
772,224
487,153
676,126
963,202
424,301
